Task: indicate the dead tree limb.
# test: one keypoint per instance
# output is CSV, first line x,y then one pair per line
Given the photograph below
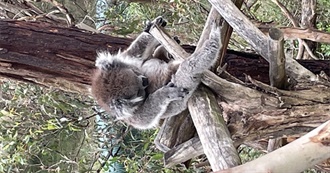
x,y
212,149
37,52
212,130
226,32
256,38
252,105
183,152
174,131
307,34
46,54
269,110
277,73
208,120
302,33
36,47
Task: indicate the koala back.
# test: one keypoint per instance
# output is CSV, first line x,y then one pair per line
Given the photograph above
x,y
117,83
158,72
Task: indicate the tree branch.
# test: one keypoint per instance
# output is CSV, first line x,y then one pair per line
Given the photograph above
x,y
296,156
242,25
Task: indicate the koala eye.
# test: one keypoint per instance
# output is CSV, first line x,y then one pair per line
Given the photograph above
x,y
145,81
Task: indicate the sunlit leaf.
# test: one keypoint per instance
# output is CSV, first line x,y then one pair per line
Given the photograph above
x,y
157,156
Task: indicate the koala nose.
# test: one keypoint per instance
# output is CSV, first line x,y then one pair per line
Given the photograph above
x,y
145,81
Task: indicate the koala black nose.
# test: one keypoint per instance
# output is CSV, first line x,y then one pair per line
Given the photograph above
x,y
145,81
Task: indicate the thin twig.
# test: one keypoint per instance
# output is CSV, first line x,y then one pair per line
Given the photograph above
x,y
63,10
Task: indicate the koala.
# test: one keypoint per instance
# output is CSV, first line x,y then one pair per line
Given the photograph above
x,y
139,88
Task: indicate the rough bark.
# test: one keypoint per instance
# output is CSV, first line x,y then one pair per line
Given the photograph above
x,y
211,128
215,138
277,73
174,131
259,113
261,44
212,131
50,55
252,110
249,111
226,32
183,152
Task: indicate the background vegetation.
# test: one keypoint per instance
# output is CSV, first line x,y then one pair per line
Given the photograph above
x,y
48,130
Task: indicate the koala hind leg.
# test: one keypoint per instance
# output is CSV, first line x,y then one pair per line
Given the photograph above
x,y
148,114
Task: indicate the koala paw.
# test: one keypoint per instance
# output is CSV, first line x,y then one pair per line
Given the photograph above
x,y
175,93
160,21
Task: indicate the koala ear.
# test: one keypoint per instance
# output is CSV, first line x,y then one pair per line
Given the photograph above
x,y
106,61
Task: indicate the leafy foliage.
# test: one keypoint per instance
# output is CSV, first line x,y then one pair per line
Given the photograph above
x,y
267,11
48,130
248,154
130,150
181,15
42,129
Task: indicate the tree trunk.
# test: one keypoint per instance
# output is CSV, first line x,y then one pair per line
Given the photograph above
x,y
64,57
308,20
49,55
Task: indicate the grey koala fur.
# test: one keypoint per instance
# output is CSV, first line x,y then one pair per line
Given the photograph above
x,y
135,86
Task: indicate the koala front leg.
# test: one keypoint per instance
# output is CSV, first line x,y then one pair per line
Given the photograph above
x,y
145,44
176,107
190,71
149,113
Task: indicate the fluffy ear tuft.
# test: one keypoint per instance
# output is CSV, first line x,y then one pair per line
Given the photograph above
x,y
103,60
106,61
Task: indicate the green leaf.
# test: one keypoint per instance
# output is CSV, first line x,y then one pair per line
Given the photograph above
x,y
157,156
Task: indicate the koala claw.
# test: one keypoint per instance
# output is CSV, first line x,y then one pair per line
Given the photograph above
x,y
160,21
175,93
170,84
